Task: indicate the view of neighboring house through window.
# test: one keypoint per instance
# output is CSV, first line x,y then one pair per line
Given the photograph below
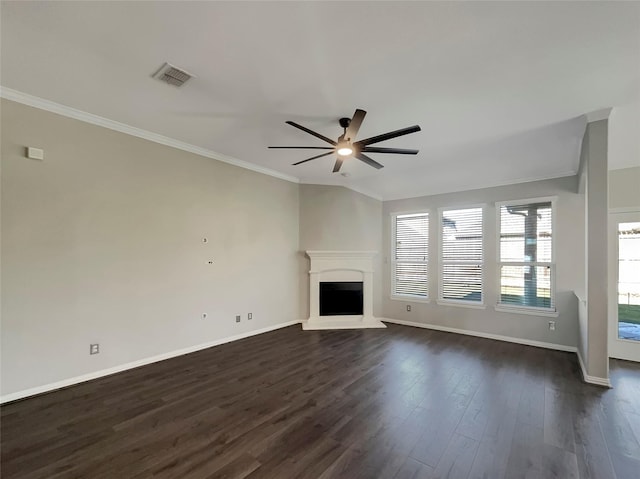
x,y
527,269
410,255
461,255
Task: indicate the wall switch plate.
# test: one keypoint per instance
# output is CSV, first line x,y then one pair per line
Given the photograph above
x,y
552,325
408,307
35,153
94,348
250,316
204,315
238,318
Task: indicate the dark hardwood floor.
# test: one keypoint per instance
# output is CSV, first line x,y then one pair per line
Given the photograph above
x,y
397,403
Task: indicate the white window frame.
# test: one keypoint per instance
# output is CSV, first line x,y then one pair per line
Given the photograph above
x,y
530,310
409,297
453,302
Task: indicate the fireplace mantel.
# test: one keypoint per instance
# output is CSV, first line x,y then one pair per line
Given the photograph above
x,y
330,266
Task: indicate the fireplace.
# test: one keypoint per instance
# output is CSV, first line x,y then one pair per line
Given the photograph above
x,y
341,290
340,297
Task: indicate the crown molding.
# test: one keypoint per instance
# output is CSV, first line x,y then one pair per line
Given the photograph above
x,y
598,115
496,184
357,189
53,107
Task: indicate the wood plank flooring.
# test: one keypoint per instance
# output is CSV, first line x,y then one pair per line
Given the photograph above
x,y
398,403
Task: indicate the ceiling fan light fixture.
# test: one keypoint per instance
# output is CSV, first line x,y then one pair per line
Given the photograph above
x,y
344,149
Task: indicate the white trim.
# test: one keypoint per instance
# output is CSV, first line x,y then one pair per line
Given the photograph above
x,y
409,299
69,112
343,322
468,332
591,379
488,185
626,209
461,304
598,115
328,254
135,364
530,311
617,347
349,186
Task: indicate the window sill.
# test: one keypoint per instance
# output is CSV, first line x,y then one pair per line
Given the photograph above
x,y
461,304
529,311
410,299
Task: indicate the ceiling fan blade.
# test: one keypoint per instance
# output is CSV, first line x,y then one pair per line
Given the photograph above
x,y
313,158
387,136
354,124
368,161
311,132
338,165
397,151
300,147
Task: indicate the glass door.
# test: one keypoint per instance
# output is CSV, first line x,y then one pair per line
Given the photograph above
x,y
624,302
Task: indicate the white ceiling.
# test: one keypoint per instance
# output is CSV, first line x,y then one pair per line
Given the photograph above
x,y
499,89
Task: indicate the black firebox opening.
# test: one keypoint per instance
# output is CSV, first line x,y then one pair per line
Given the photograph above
x,y
341,298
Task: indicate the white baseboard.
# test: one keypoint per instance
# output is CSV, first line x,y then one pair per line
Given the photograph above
x,y
591,379
468,332
135,364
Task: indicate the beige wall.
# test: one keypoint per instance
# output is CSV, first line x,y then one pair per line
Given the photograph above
x,y
597,218
569,236
593,313
581,288
624,191
336,218
102,243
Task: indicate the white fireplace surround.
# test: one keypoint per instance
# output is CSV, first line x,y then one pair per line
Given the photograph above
x,y
330,266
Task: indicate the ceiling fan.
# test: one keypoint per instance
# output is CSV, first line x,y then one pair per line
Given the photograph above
x,y
346,146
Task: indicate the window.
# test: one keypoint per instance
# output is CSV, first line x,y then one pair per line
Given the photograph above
x,y
526,257
410,255
461,255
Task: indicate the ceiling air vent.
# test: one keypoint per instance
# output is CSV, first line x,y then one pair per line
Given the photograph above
x,y
172,75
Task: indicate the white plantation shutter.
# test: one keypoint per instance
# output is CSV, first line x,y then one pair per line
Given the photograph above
x,y
527,269
461,255
411,255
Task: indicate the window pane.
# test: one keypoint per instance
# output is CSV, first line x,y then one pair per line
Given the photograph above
x,y
462,235
412,237
462,282
629,281
461,260
526,286
526,233
411,254
411,279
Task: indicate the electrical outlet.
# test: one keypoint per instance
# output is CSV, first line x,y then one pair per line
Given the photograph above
x,y
552,325
250,316
237,318
94,348
408,307
204,315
